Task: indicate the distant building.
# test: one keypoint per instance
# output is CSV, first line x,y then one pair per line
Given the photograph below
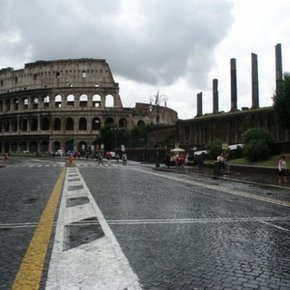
x,y
54,105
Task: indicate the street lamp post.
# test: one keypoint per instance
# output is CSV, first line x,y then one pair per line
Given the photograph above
x,y
157,101
115,135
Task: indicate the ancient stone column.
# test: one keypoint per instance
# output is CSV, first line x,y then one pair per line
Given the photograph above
x,y
255,82
279,71
215,94
234,94
199,104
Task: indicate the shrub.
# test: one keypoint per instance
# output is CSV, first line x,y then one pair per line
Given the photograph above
x,y
214,148
256,150
257,133
257,143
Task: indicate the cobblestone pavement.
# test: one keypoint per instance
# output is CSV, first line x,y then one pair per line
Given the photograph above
x,y
184,232
178,231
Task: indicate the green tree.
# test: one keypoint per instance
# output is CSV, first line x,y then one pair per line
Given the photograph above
x,y
214,148
282,102
257,142
138,136
113,137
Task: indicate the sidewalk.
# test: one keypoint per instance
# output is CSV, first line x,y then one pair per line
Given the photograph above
x,y
245,174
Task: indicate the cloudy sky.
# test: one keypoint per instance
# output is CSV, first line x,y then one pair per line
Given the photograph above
x,y
173,46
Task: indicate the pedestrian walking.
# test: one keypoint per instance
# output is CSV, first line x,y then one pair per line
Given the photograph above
x,y
109,159
124,158
282,170
100,159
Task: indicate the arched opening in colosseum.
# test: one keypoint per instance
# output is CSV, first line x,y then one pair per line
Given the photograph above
x,y
57,124
140,123
44,146
1,126
57,101
7,105
109,122
46,100
123,123
25,102
82,147
83,100
34,124
55,146
15,104
35,102
70,100
14,126
82,124
45,124
1,106
14,147
23,146
23,125
96,101
6,126
109,101
33,146
69,124
96,124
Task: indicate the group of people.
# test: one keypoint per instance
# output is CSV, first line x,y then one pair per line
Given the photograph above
x,y
178,160
99,158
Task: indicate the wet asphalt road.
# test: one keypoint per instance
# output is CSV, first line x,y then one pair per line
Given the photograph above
x,y
178,232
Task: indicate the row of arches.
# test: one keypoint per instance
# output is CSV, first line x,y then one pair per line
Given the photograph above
x,y
56,101
42,146
35,124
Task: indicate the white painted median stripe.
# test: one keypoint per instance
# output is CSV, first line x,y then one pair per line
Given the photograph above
x,y
100,264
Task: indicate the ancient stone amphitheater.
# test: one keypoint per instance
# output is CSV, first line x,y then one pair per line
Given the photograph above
x,y
50,105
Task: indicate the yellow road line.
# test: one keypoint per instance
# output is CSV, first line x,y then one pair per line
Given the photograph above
x,y
31,268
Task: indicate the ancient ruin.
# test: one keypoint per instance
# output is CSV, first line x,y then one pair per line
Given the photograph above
x,y
52,105
230,126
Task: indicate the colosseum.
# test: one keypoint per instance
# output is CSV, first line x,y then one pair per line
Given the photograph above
x,y
52,105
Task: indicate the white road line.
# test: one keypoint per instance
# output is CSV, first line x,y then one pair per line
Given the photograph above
x,y
196,220
17,225
99,264
275,226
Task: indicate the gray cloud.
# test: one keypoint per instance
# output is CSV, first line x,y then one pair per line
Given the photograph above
x,y
152,41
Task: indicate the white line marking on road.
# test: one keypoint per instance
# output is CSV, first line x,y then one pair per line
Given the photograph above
x,y
100,264
18,225
196,220
275,226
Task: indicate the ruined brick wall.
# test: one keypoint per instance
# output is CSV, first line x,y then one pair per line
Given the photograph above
x,y
229,127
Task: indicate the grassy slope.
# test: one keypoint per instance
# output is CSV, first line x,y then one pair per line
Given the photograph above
x,y
270,163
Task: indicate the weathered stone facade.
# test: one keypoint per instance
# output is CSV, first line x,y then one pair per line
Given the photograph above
x,y
229,127
49,105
